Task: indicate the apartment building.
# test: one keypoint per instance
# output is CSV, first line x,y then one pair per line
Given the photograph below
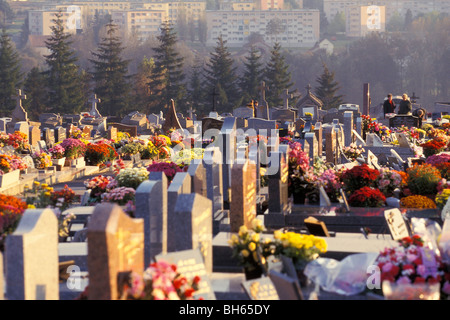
x,y
143,23
41,21
293,28
331,7
361,20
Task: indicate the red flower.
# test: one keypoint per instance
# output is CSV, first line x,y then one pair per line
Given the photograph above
x,y
196,279
188,293
419,280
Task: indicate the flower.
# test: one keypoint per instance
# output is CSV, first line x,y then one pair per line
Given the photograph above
x,y
358,177
353,151
74,148
423,179
11,211
367,197
418,202
57,152
41,159
388,181
120,195
131,177
169,169
99,153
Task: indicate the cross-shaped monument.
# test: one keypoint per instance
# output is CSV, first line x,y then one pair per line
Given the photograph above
x,y
286,96
263,108
94,111
191,112
19,113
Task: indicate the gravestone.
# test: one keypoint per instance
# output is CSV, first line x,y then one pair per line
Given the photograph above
x,y
260,289
287,287
330,144
402,140
243,195
244,112
34,136
135,118
132,130
151,206
154,119
115,244
372,160
358,122
198,178
318,131
211,124
263,106
190,263
191,227
112,133
171,121
228,145
32,257
181,184
283,115
23,127
4,124
278,188
310,137
299,125
49,137
19,114
405,120
94,111
214,187
348,127
60,134
373,140
396,223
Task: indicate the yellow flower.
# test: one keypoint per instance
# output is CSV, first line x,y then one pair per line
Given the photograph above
x,y
252,246
36,183
44,185
256,223
242,230
255,237
48,194
234,239
245,253
26,187
277,234
31,206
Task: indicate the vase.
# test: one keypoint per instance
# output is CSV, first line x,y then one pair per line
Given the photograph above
x,y
59,162
302,278
254,273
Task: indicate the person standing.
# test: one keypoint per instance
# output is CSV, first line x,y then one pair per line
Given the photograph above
x,y
389,105
405,105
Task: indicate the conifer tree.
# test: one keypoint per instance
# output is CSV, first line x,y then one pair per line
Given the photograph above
x,y
35,89
327,90
277,77
220,77
110,74
168,77
10,75
141,90
252,75
64,87
196,91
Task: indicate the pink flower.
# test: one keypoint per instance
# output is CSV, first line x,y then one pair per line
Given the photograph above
x,y
446,287
403,280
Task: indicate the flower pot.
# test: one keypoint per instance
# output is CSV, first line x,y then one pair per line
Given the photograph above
x,y
59,162
254,273
9,178
302,278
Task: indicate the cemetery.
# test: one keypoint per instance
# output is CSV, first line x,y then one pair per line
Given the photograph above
x,y
265,203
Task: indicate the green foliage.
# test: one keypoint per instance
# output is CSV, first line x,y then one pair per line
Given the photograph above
x,y
327,90
110,74
252,75
10,75
35,89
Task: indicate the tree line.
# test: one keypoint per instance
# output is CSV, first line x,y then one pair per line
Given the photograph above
x,y
414,60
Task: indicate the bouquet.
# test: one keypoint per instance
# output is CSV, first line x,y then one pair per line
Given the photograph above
x,y
367,197
120,195
423,179
433,146
411,263
169,169
63,198
42,160
98,185
10,163
131,148
353,151
11,211
73,148
160,281
436,159
57,152
99,153
185,156
150,151
358,177
132,177
442,198
331,182
417,202
17,140
388,181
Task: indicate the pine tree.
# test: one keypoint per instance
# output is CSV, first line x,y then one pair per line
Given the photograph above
x,y
167,81
65,93
196,92
110,74
252,75
327,89
277,77
141,90
35,89
220,75
10,75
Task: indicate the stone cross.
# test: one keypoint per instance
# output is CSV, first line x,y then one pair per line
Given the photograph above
x,y
191,113
286,96
19,113
94,111
262,89
18,97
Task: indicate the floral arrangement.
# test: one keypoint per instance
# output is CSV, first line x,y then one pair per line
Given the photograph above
x,y
301,248
388,181
99,153
367,197
18,140
10,163
249,248
132,177
444,169
17,162
331,182
38,196
57,152
132,148
442,198
120,195
358,177
42,159
169,169
76,133
417,202
162,143
405,265
11,211
185,156
423,179
150,151
73,148
433,147
160,281
98,185
63,198
436,159
353,151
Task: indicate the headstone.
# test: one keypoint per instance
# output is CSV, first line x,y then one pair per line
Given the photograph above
x,y
396,223
316,227
287,287
260,289
359,125
402,140
132,130
372,160
4,124
42,145
115,244
263,106
198,178
60,134
405,120
243,195
283,115
94,111
19,114
373,140
34,136
49,137
171,121
324,198
191,226
190,263
212,158
22,126
348,125
310,137
32,257
112,133
318,130
181,184
211,124
154,119
151,206
358,139
243,112
299,124
278,187
228,140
